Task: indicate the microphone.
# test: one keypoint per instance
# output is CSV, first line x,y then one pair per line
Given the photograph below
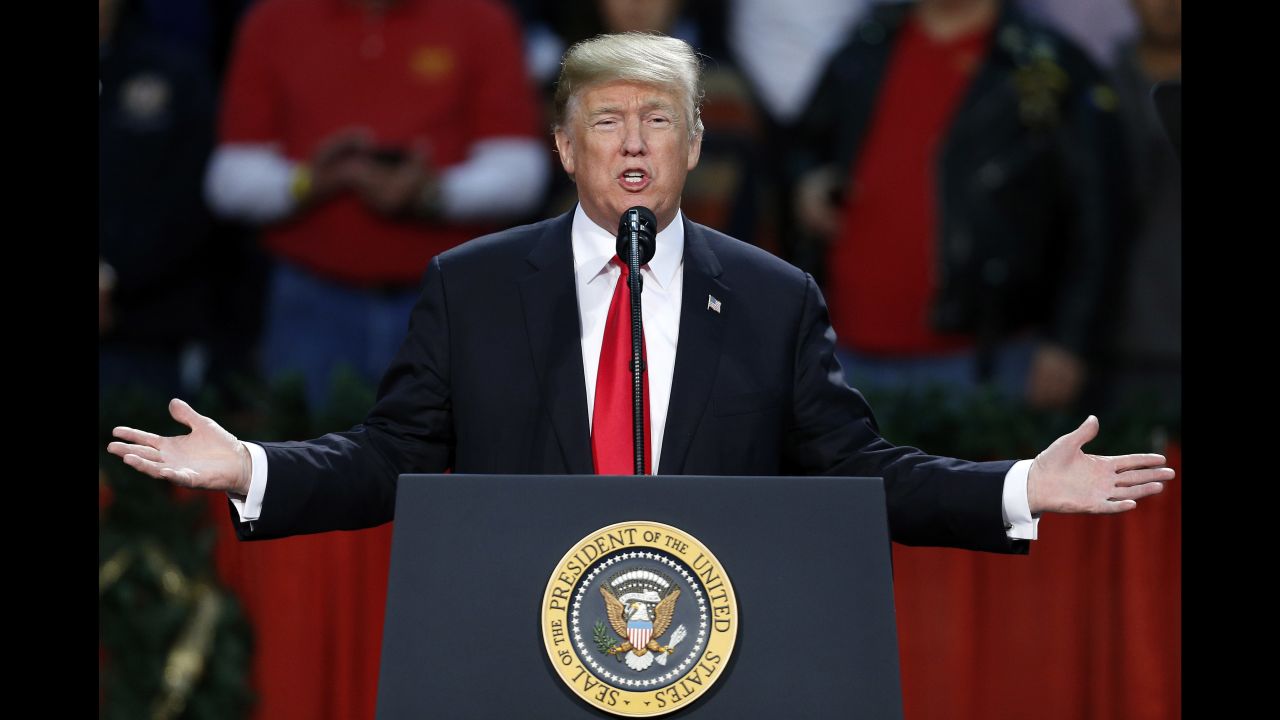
x,y
637,233
641,221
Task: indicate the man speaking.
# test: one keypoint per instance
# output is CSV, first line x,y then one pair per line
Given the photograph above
x,y
517,359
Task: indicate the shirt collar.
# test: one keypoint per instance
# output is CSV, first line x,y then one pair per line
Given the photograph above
x,y
594,247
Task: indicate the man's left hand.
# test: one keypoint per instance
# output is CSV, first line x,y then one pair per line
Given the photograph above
x,y
1065,479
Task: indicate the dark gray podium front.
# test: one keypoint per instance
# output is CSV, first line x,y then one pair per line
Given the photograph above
x,y
472,555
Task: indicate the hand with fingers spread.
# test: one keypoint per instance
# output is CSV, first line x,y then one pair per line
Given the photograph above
x,y
1065,479
208,457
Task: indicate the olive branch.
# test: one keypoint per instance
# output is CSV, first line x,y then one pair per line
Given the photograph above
x,y
602,638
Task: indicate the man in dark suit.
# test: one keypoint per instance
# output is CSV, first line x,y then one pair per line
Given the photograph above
x,y
511,360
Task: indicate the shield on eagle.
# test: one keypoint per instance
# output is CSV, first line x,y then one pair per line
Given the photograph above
x,y
639,631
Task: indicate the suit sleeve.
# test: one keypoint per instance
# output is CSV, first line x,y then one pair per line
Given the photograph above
x,y
935,501
347,480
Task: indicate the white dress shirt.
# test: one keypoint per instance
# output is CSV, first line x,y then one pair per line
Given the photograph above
x,y
595,277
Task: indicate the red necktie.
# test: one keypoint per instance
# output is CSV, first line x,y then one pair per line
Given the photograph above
x,y
611,428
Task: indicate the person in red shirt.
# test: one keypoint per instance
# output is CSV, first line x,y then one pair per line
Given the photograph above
x,y
366,137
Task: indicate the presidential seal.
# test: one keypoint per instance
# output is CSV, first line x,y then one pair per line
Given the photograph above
x,y
639,619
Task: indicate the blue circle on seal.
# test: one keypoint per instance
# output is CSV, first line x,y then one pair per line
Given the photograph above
x,y
621,650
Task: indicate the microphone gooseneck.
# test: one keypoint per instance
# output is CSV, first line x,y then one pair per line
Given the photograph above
x,y
637,242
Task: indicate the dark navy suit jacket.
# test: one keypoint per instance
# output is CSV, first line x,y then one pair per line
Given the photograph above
x,y
489,380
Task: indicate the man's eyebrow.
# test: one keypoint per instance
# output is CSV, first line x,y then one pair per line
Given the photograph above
x,y
657,104
604,110
651,104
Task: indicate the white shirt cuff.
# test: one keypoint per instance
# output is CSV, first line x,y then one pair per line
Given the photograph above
x,y
501,177
250,506
1014,506
250,182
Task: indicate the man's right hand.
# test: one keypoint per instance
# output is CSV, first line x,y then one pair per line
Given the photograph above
x,y
208,457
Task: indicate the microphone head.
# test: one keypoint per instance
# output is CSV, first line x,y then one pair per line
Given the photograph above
x,y
642,220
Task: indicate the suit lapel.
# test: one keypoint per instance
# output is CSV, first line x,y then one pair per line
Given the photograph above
x,y
698,347
551,320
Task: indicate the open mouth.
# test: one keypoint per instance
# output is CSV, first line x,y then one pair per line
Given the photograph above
x,y
634,180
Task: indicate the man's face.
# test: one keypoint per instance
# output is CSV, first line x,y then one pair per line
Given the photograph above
x,y
627,144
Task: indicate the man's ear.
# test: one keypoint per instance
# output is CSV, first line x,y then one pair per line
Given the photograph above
x,y
695,151
564,147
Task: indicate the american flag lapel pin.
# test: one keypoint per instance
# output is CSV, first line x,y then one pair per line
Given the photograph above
x,y
713,303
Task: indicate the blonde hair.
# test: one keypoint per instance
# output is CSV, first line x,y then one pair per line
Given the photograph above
x,y
638,57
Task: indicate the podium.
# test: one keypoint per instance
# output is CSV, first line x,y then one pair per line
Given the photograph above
x,y
486,571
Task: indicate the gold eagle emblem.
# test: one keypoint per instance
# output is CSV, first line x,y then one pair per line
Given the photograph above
x,y
620,614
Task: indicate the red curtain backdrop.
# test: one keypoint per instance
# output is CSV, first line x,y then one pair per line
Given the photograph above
x,y
1088,626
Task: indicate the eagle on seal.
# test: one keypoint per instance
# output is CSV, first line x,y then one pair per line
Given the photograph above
x,y
632,623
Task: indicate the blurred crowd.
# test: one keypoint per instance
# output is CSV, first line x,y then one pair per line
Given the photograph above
x,y
983,188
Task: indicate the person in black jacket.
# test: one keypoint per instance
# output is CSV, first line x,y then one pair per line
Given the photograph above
x,y
1020,200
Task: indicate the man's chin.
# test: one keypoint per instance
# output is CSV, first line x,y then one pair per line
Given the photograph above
x,y
665,212
610,214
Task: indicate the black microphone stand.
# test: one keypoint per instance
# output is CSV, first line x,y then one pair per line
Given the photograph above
x,y
636,222
637,341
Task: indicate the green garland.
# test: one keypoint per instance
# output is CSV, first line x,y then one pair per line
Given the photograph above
x,y
988,426
175,642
